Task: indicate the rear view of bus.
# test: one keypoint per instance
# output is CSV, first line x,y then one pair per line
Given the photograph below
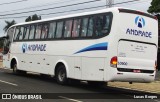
x,y
137,43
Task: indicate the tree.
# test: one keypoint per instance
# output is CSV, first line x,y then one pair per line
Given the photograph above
x,y
155,8
28,19
33,18
36,17
1,43
8,24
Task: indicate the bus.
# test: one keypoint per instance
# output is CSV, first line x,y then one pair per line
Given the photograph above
x,y
112,44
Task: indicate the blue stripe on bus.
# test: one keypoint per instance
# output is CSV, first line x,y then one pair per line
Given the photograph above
x,y
99,46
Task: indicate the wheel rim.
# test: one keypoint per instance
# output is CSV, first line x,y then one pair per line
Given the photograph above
x,y
15,68
62,75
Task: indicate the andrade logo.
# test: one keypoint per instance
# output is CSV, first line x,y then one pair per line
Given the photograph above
x,y
33,47
24,47
140,22
138,30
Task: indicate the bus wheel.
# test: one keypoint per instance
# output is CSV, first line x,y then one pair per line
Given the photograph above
x,y
15,71
61,75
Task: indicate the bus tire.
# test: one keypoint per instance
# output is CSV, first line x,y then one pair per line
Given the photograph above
x,y
61,75
16,71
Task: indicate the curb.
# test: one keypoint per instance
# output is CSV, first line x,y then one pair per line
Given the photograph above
x,y
152,91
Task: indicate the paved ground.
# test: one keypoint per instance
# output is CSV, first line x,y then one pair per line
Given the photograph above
x,y
153,87
10,83
47,87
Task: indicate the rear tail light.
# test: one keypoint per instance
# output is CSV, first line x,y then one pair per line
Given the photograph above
x,y
113,62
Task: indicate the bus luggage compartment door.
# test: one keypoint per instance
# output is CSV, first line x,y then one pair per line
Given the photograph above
x,y
136,56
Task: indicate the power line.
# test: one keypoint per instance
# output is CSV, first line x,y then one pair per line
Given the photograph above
x,y
58,12
140,1
13,2
50,8
73,10
36,6
127,2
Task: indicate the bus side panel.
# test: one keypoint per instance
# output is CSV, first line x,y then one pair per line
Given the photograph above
x,y
93,69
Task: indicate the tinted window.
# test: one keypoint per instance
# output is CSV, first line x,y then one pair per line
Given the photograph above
x,y
38,32
59,29
102,25
26,32
90,26
21,33
52,29
44,31
84,27
32,31
68,28
10,34
76,28
16,35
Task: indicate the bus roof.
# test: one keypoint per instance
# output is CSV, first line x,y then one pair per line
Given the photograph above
x,y
79,14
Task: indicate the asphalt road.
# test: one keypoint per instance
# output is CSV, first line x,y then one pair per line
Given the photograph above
x,y
50,91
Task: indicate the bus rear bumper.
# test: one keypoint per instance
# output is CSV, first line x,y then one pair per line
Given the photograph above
x,y
132,77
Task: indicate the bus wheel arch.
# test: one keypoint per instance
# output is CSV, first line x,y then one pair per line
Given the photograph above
x,y
14,66
13,62
61,73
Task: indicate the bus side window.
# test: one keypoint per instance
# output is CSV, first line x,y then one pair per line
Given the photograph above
x,y
38,32
10,33
52,29
90,27
106,20
98,25
59,29
32,32
44,31
84,27
26,32
102,25
16,36
21,33
76,28
68,28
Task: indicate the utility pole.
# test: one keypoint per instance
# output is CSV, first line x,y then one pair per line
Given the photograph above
x,y
109,3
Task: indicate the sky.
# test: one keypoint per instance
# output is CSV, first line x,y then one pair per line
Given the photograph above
x,y
12,7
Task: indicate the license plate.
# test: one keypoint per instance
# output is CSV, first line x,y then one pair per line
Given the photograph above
x,y
137,71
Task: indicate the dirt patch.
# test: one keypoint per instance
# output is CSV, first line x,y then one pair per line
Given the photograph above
x,y
153,87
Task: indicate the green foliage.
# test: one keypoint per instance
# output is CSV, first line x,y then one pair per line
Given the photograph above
x,y
1,44
9,24
155,7
33,18
28,19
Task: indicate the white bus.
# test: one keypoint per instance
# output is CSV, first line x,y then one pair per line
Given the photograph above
x,y
113,44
